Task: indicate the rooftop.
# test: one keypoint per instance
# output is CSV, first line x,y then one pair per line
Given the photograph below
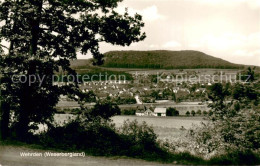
x,y
160,110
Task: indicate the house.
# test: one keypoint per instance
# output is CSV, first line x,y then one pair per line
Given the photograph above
x,y
140,110
159,111
148,112
139,113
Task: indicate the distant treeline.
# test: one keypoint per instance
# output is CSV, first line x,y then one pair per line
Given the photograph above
x,y
165,60
159,66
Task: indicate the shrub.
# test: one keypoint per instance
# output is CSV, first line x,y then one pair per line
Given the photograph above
x,y
138,133
129,100
172,112
205,113
230,128
198,112
101,138
128,112
141,140
94,137
236,158
105,110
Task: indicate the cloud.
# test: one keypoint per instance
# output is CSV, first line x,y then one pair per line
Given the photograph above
x,y
225,42
241,56
228,41
240,53
254,4
171,44
154,46
195,45
246,53
149,13
234,47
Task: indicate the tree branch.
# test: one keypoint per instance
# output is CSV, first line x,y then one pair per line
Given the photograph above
x,y
4,46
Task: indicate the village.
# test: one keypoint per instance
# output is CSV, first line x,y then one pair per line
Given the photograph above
x,y
145,96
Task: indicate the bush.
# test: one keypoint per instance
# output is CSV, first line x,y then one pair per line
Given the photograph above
x,y
105,110
172,112
139,133
188,113
140,138
198,112
101,138
128,112
230,128
236,158
94,137
130,100
193,113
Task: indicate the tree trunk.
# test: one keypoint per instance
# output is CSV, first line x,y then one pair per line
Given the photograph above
x,y
5,117
27,107
4,106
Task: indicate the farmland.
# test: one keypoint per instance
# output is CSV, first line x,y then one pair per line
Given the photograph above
x,y
169,128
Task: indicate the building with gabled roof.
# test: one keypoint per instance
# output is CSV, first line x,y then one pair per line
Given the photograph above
x,y
159,111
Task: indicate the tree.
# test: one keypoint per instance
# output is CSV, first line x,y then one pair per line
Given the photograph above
x,y
105,110
193,113
198,112
251,74
233,128
188,113
43,36
155,94
247,75
166,93
205,113
172,112
218,94
244,93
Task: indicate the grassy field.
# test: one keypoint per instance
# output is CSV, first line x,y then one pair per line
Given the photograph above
x,y
170,128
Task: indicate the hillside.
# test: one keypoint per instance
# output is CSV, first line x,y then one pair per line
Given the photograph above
x,y
162,59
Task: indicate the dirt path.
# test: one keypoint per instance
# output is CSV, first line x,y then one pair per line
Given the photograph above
x,y
10,156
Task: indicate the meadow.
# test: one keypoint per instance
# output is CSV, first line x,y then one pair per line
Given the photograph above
x,y
170,128
167,128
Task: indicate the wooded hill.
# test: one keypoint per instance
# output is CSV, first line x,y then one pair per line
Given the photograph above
x,y
162,59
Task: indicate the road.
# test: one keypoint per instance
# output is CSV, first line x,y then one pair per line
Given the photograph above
x,y
10,156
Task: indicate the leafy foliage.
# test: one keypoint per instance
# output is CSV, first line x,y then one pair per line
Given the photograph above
x,y
172,112
101,137
105,110
234,126
128,111
44,35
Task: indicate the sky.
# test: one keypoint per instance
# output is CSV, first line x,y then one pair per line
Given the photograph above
x,y
227,29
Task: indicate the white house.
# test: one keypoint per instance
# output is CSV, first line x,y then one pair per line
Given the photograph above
x,y
139,113
140,110
159,111
148,112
